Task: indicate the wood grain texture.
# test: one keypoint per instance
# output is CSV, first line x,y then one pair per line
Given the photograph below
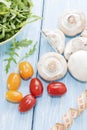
x,y
10,117
48,110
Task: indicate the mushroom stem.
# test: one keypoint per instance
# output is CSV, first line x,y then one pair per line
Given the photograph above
x,y
52,67
72,22
71,19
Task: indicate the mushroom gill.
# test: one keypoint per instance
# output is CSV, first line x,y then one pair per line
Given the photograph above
x,y
54,67
75,44
56,39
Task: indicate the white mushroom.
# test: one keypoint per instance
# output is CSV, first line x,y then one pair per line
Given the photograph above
x,y
77,65
56,39
52,66
84,33
72,22
75,44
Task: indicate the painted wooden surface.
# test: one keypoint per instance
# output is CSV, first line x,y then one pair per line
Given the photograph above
x,y
48,110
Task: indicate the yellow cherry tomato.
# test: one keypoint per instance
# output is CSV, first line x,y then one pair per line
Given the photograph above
x,y
14,96
13,81
25,70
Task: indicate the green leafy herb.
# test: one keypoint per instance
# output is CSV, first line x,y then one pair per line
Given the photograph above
x,y
30,52
33,18
12,51
14,14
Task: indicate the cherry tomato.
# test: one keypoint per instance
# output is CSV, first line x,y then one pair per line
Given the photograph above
x,y
36,87
25,70
13,81
27,103
56,89
14,96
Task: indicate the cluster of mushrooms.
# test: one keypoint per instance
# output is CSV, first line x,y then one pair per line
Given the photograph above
x,y
53,65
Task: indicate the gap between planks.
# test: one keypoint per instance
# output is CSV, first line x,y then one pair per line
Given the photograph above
x,y
41,25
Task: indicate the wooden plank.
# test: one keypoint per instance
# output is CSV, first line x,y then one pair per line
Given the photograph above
x,y
10,117
50,110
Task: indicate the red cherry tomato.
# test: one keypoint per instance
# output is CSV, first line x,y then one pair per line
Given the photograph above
x,y
56,89
36,87
27,103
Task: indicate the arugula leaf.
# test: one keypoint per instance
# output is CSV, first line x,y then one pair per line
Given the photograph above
x,y
18,44
30,52
15,45
7,4
7,67
34,18
14,14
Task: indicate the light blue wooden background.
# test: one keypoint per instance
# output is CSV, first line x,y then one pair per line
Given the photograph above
x,y
48,110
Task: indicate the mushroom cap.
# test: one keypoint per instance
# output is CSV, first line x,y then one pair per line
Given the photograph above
x,y
52,66
56,39
72,22
75,44
77,65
